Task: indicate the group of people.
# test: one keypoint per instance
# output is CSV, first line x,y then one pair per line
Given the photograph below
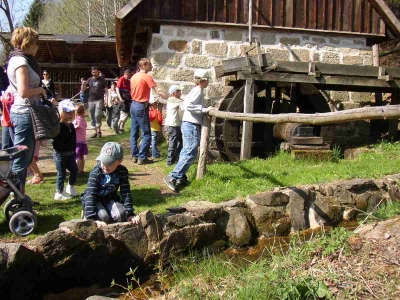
x,y
128,97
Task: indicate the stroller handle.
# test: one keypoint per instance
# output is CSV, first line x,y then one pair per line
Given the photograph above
x,y
13,153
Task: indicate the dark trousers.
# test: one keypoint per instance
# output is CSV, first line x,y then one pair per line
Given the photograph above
x,y
64,163
7,137
116,108
109,115
174,143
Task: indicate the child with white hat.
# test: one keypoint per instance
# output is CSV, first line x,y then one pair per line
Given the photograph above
x,y
194,108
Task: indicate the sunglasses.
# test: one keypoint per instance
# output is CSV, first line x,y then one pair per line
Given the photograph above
x,y
45,74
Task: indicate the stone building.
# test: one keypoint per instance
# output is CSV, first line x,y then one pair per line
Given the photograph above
x,y
181,36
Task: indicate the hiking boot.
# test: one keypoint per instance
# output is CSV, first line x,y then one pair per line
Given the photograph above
x,y
61,196
171,183
170,163
135,159
71,190
94,135
143,161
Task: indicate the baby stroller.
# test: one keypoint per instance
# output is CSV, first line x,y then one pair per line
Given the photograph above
x,y
18,211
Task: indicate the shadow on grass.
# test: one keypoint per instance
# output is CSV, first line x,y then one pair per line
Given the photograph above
x,y
148,197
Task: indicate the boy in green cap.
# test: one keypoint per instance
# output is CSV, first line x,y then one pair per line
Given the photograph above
x,y
100,200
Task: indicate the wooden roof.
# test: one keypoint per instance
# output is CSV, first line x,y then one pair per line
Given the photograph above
x,y
368,18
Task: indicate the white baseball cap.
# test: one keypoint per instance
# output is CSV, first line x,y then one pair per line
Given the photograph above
x,y
67,106
201,74
174,88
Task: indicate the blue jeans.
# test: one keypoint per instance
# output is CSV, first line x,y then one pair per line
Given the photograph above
x,y
191,140
64,163
174,143
23,136
140,120
154,149
96,113
7,136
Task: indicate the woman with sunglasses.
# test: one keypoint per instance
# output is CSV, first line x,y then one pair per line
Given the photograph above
x,y
48,85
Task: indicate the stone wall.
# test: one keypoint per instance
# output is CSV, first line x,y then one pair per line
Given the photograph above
x,y
177,51
81,253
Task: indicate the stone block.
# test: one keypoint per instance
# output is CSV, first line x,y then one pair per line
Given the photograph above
x,y
187,89
305,37
271,221
359,42
327,210
156,43
278,54
289,41
168,31
182,75
196,47
319,155
361,97
330,58
269,199
368,60
253,52
237,226
319,40
334,41
167,59
298,207
216,49
233,35
353,60
199,34
201,62
267,38
350,105
316,57
178,45
344,196
234,51
214,34
339,96
349,51
218,90
160,73
181,32
301,55
206,211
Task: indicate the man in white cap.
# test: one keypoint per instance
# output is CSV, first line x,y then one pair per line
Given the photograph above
x,y
173,122
194,108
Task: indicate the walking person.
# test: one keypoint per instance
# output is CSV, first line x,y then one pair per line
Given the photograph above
x,y
194,108
112,99
124,94
81,148
48,85
141,84
84,95
24,75
64,145
173,122
98,93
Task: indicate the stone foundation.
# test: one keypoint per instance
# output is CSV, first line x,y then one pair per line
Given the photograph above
x,y
80,253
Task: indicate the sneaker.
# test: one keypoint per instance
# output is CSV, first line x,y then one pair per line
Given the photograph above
x,y
135,159
61,196
182,182
94,135
169,163
171,183
71,190
99,135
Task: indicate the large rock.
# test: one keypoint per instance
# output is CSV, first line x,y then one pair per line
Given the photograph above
x,y
197,62
167,59
191,237
237,224
179,221
178,45
300,201
204,210
328,209
269,199
152,225
216,49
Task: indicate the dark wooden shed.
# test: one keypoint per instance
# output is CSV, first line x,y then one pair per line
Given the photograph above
x,y
136,22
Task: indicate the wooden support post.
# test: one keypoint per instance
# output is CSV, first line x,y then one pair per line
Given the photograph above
x,y
204,142
393,124
294,94
276,109
375,60
247,129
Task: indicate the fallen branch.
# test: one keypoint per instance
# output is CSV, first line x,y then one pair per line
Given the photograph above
x,y
367,113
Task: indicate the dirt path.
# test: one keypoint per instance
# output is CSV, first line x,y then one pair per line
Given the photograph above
x,y
142,175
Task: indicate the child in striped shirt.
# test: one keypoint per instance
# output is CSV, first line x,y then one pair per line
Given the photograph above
x,y
100,200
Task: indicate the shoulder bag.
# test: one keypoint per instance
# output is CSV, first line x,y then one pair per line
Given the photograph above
x,y
45,120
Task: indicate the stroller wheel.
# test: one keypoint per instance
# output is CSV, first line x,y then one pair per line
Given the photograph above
x,y
23,223
11,207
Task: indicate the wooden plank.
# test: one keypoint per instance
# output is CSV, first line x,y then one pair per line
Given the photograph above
x,y
271,12
323,15
247,128
394,124
357,15
331,15
387,15
306,14
339,15
368,16
231,66
314,15
289,12
343,116
309,140
346,82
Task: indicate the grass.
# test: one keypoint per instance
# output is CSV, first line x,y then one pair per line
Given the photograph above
x,y
223,181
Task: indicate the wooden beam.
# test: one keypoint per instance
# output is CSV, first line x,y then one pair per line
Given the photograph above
x,y
387,15
50,52
77,65
247,128
343,116
204,143
394,124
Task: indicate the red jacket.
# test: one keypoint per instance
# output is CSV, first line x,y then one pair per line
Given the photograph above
x,y
153,113
7,100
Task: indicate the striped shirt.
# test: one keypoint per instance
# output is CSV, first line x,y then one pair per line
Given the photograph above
x,y
103,188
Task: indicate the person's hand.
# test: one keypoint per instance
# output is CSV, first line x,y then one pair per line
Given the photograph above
x,y
134,219
101,224
53,101
208,109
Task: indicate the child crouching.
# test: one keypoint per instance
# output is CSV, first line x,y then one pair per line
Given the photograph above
x,y
100,200
64,145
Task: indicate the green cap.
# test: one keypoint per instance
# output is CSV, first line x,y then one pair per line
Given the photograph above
x,y
110,153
